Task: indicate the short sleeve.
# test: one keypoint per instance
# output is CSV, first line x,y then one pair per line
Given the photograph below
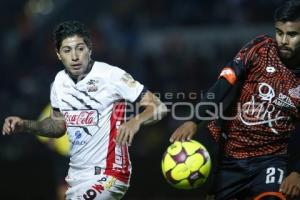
x,y
53,97
125,86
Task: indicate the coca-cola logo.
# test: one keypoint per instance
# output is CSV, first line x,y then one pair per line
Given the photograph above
x,y
81,117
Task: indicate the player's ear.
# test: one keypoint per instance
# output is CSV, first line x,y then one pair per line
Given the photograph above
x,y
58,55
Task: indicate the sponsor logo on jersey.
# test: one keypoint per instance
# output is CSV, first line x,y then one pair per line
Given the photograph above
x,y
284,101
295,92
77,135
270,69
266,92
77,140
255,113
81,117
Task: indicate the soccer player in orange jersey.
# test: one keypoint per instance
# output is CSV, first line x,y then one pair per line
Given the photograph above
x,y
260,90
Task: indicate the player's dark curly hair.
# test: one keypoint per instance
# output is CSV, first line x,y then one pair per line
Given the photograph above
x,y
68,29
288,11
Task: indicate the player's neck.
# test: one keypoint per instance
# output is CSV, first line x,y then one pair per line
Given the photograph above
x,y
292,63
82,76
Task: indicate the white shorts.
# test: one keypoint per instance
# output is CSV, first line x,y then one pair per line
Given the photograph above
x,y
100,187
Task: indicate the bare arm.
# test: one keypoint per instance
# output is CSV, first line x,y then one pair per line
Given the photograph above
x,y
154,111
53,126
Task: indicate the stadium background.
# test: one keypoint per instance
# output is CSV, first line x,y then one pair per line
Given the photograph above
x,y
172,46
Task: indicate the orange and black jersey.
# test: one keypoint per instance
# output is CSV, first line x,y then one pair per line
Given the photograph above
x,y
262,97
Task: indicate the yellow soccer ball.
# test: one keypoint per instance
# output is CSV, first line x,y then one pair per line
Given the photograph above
x,y
186,165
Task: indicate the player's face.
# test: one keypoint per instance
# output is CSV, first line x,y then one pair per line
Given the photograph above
x,y
288,39
75,55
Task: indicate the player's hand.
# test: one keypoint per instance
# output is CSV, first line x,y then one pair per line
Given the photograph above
x,y
127,131
184,132
12,125
290,186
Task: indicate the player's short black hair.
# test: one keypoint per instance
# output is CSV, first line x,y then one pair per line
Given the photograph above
x,y
288,11
71,28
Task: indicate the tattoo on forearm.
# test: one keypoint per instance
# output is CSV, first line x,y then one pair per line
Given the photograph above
x,y
47,127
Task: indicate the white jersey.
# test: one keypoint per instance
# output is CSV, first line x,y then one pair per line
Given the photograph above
x,y
93,112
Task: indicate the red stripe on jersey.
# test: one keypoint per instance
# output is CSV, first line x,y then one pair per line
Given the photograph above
x,y
117,159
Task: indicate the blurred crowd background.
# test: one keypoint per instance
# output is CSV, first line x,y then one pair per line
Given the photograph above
x,y
172,46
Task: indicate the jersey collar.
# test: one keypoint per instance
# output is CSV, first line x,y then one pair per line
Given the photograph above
x,y
89,68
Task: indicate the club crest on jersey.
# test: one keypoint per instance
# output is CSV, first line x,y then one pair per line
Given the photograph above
x,y
92,87
81,117
295,92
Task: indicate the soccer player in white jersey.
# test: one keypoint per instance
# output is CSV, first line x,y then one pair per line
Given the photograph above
x,y
87,99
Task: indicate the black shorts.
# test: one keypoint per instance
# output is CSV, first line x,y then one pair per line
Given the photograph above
x,y
240,178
